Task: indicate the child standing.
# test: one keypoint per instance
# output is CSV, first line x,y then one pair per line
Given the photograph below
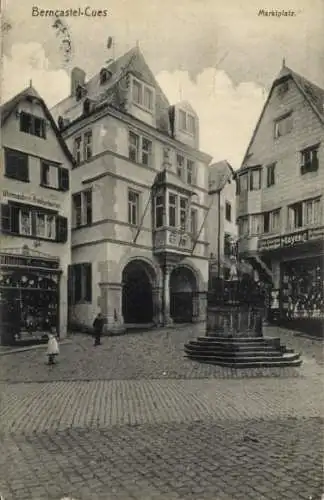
x,y
52,349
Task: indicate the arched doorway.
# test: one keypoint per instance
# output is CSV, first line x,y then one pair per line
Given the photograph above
x,y
137,301
183,293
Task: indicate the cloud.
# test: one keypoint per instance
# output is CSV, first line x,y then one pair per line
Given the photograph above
x,y
227,113
28,62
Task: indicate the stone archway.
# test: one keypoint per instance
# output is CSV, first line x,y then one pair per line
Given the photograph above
x,y
183,295
138,280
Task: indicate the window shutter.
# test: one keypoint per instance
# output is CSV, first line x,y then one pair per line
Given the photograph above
x,y
64,183
5,218
61,229
71,299
88,282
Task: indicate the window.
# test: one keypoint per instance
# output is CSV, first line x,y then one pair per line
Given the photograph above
x,y
243,179
81,277
190,172
133,207
228,211
49,175
255,179
193,221
105,75
82,208
25,222
227,245
45,226
271,170
142,95
133,146
77,150
172,210
186,122
33,125
87,145
256,224
183,213
283,126
180,166
146,151
271,221
16,165
159,211
309,160
243,226
305,213
30,221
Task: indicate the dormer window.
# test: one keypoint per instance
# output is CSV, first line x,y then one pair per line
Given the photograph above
x,y
104,76
186,122
283,125
143,95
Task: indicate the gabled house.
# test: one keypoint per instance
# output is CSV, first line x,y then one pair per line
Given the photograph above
x,y
280,195
140,192
35,211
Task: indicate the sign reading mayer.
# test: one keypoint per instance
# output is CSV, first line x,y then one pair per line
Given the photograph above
x,y
31,198
290,240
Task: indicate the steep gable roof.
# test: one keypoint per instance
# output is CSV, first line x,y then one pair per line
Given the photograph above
x,y
219,174
9,107
312,93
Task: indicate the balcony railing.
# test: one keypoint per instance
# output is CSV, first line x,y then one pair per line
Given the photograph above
x,y
172,240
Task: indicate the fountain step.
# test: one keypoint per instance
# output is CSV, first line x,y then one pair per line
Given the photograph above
x,y
237,354
236,339
233,347
255,363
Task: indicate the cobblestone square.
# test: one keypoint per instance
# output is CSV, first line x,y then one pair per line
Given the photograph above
x,y
160,430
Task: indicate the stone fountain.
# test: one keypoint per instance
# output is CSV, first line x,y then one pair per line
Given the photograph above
x,y
234,333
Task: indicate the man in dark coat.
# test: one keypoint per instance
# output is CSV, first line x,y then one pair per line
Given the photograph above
x,y
97,327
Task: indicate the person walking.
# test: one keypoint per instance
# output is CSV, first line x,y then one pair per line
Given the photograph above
x,y
52,349
97,327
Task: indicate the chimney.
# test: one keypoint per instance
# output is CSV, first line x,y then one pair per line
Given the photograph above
x,y
77,78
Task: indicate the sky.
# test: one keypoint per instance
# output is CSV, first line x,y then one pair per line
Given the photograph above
x,y
219,55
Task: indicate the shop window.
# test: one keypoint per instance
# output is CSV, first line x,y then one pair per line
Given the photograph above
x,y
309,160
283,126
133,207
82,208
33,125
228,211
16,165
255,179
81,277
271,170
159,211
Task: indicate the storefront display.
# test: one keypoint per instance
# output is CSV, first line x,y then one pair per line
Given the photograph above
x,y
302,289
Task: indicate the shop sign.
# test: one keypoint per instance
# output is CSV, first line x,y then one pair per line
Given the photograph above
x,y
269,243
30,198
316,233
290,240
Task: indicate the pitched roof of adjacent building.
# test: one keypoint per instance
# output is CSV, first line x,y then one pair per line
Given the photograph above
x,y
312,93
219,174
10,106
